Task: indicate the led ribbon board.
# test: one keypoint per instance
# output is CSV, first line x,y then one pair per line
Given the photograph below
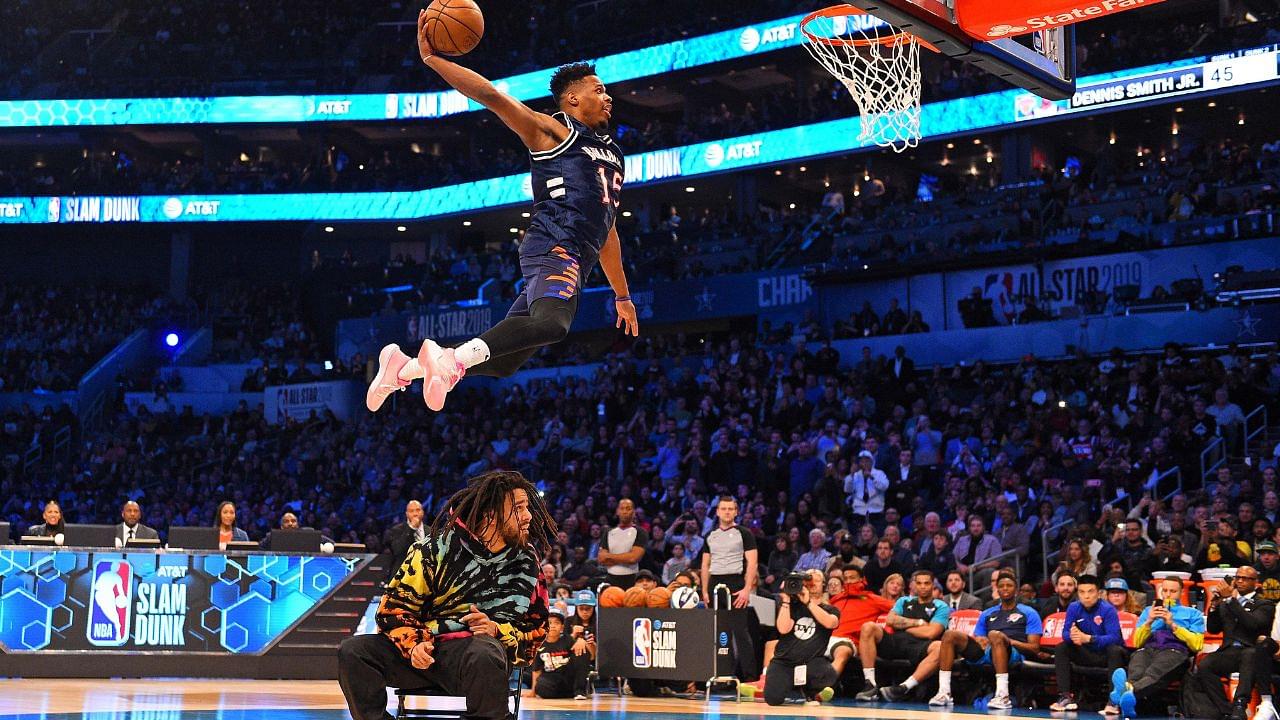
x,y
646,62
1099,93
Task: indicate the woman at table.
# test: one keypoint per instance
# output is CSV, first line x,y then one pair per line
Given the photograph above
x,y
225,521
54,524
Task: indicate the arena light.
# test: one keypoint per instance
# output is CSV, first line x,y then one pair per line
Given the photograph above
x,y
401,228
690,189
524,214
626,213
328,228
172,339
466,223
513,231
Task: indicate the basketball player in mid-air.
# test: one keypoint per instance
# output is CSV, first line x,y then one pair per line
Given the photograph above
x,y
577,181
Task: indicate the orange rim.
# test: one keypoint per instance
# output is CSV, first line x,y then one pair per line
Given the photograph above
x,y
846,10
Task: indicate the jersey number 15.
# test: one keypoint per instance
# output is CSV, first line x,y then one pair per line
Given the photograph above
x,y
616,186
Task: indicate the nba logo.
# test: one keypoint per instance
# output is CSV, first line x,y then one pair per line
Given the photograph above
x,y
642,637
111,603
55,209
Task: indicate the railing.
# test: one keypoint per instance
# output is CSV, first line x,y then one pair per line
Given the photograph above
x,y
1250,432
989,561
31,458
1208,465
1176,473
61,439
1044,546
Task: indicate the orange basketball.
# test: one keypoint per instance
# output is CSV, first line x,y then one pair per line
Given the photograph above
x,y
454,27
659,597
636,597
612,597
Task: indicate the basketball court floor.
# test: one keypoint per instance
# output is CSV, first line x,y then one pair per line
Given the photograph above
x,y
321,700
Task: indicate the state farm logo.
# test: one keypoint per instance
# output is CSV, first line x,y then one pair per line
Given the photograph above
x,y
749,40
1003,30
1041,22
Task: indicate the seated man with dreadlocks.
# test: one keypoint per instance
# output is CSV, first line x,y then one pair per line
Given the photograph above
x,y
464,606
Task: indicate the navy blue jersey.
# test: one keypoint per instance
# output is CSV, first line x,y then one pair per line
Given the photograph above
x,y
577,187
1018,623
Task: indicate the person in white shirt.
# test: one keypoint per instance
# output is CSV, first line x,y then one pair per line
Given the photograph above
x,y
865,489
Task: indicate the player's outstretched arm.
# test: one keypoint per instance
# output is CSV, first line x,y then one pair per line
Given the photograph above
x,y
538,131
611,264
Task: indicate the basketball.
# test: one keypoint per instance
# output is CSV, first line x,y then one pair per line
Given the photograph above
x,y
636,597
454,27
685,598
659,597
612,597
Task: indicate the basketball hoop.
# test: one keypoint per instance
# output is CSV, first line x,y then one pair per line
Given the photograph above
x,y
878,64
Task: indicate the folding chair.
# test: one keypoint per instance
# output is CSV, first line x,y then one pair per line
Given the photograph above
x,y
513,693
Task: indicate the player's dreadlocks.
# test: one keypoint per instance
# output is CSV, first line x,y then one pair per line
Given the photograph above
x,y
486,495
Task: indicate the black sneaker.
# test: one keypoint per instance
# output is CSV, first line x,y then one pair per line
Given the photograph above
x,y
869,695
1065,703
895,693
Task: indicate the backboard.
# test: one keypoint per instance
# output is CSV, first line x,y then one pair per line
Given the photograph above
x,y
1046,65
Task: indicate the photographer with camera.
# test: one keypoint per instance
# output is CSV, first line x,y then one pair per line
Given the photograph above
x,y
804,627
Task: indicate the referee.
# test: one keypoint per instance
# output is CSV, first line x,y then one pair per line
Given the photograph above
x,y
623,546
731,559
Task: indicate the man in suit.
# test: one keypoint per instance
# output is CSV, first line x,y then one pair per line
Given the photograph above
x,y
956,597
132,527
404,535
1242,617
902,368
289,521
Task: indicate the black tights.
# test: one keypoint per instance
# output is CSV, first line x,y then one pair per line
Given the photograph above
x,y
514,340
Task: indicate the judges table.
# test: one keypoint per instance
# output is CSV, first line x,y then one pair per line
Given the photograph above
x,y
144,612
666,643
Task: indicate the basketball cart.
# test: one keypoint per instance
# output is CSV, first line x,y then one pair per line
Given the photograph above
x,y
666,644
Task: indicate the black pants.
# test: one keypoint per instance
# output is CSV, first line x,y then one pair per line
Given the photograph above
x,y
1264,665
475,668
1151,669
528,327
1228,660
780,679
1069,654
566,682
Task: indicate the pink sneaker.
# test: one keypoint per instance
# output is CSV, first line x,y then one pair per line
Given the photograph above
x,y
390,362
440,373
444,372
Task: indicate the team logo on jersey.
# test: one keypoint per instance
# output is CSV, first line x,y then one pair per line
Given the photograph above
x,y
1015,617
112,606
805,628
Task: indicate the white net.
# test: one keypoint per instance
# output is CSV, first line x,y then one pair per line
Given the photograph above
x,y
880,68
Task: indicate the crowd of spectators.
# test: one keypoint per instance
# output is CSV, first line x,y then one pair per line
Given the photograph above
x,y
49,336
999,453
